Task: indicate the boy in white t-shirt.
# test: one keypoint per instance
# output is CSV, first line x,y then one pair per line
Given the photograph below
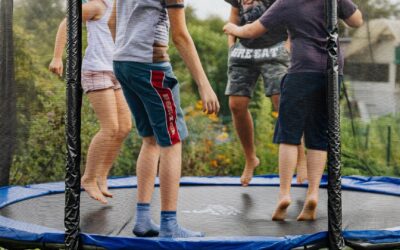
x,y
141,63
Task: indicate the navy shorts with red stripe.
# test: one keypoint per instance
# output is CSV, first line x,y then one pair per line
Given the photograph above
x,y
152,93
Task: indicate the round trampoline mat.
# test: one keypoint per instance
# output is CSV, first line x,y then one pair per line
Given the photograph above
x,y
215,210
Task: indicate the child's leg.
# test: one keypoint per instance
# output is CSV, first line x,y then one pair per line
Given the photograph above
x,y
242,81
316,161
288,133
105,107
146,171
170,172
287,163
316,141
125,126
275,102
146,166
301,164
245,129
153,95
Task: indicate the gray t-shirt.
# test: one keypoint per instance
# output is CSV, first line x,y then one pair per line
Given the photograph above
x,y
252,10
143,30
306,23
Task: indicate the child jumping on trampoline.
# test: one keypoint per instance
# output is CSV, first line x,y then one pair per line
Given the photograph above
x,y
248,59
303,107
104,94
141,63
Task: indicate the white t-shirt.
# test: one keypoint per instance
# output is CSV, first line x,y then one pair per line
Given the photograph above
x,y
143,30
100,50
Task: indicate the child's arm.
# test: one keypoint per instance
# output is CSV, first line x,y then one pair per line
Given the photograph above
x,y
275,16
112,22
253,30
233,18
349,13
355,20
90,11
186,48
288,44
56,65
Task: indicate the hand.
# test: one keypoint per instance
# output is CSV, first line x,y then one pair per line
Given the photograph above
x,y
56,66
209,99
288,45
230,29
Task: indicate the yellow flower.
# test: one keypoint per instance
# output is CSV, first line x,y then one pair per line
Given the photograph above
x,y
199,105
221,157
209,143
214,164
223,137
213,117
227,161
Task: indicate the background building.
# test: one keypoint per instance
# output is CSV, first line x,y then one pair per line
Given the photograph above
x,y
373,67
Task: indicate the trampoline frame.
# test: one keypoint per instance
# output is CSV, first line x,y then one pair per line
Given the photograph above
x,y
73,239
26,235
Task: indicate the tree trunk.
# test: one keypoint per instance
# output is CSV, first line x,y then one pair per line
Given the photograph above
x,y
8,118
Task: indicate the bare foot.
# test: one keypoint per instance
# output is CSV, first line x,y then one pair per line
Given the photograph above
x,y
281,209
301,172
248,171
309,212
103,186
93,190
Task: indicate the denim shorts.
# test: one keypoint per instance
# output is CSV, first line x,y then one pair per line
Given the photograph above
x,y
303,110
152,93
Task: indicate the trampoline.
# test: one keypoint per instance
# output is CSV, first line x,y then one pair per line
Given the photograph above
x,y
58,215
233,217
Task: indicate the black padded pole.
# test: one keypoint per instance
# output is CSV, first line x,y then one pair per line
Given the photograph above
x,y
8,100
73,125
336,240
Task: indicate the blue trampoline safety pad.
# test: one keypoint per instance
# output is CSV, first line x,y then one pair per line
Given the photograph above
x,y
16,230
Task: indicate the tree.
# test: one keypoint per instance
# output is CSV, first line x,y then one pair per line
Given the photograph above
x,y
8,119
378,8
41,20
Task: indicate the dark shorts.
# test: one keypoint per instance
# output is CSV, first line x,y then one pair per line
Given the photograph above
x,y
303,111
152,93
247,65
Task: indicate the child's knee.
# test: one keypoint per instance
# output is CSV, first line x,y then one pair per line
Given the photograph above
x,y
124,130
111,132
237,107
150,141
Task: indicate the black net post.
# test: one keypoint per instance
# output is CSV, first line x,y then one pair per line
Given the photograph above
x,y
73,124
336,240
